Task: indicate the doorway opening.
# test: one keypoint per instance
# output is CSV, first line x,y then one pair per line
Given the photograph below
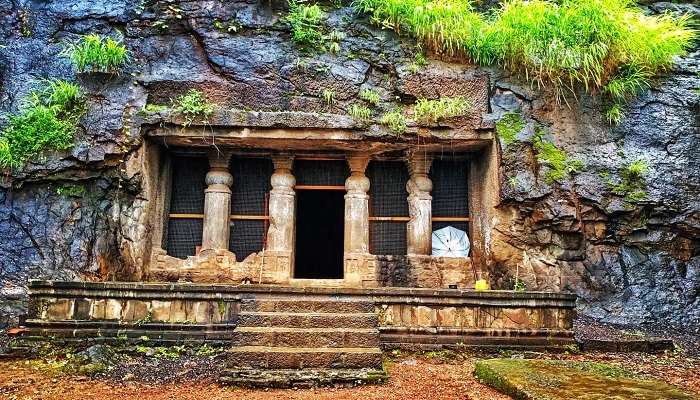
x,y
319,234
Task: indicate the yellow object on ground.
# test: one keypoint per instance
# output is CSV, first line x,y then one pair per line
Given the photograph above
x,y
481,284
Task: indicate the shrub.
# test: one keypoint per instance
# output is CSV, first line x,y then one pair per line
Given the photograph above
x,y
306,24
192,106
92,53
596,44
395,121
360,112
430,111
48,121
370,96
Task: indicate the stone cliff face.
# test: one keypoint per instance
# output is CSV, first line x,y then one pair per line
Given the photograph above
x,y
73,214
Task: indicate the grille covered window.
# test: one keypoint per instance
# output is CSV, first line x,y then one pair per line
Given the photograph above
x,y
388,207
184,227
249,205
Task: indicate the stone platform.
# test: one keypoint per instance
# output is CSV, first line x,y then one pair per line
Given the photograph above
x,y
281,335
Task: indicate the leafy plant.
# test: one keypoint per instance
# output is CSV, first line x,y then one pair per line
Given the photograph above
x,y
192,106
430,111
509,126
395,121
92,53
47,121
306,24
560,165
360,112
594,44
334,38
70,190
329,96
371,96
614,114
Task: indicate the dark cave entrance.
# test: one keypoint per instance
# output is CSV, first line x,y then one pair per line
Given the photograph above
x,y
319,234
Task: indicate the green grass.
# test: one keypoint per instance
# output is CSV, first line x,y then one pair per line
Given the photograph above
x,y
614,114
431,111
559,163
92,53
47,121
305,20
193,105
329,96
360,112
608,45
371,96
509,126
395,121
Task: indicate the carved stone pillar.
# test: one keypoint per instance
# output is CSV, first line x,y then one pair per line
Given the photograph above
x,y
280,236
419,227
357,206
217,202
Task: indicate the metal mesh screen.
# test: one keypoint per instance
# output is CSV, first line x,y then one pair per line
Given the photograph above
x,y
249,194
187,197
450,188
184,235
450,192
247,237
321,172
388,198
387,188
251,183
387,238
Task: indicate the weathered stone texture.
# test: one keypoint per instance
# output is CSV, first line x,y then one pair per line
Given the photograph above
x,y
629,263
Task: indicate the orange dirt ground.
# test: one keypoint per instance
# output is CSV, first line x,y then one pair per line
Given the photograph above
x,y
412,377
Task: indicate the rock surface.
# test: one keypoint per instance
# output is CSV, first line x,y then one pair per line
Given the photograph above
x,y
629,263
554,380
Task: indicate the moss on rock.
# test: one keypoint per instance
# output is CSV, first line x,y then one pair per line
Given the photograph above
x,y
555,380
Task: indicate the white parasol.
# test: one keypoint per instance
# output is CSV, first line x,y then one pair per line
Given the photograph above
x,y
450,242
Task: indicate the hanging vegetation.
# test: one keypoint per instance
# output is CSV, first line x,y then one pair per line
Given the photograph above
x,y
92,53
47,121
599,45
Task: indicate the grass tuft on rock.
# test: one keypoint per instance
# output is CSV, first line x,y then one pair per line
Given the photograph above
x,y
193,106
431,111
395,121
305,20
597,45
47,121
92,53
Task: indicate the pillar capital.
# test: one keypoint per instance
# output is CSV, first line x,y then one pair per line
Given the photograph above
x,y
418,163
282,161
218,158
358,164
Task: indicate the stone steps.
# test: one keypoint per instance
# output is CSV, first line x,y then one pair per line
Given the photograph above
x,y
276,304
301,340
308,320
304,357
305,337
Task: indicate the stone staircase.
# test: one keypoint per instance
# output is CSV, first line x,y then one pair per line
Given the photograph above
x,y
284,341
